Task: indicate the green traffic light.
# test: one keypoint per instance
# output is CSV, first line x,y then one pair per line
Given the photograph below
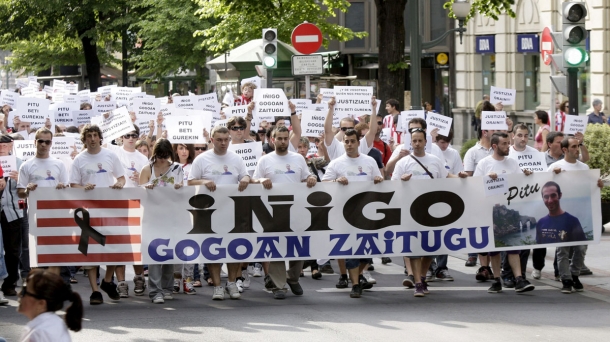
x,y
574,56
268,62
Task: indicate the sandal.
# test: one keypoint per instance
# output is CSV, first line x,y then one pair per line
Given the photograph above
x,y
196,283
73,281
210,282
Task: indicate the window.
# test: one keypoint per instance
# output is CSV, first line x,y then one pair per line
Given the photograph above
x,y
355,21
532,81
439,21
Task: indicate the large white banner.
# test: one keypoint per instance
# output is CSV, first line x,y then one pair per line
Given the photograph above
x,y
330,220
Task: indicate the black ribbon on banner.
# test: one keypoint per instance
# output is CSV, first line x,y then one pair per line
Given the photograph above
x,y
87,231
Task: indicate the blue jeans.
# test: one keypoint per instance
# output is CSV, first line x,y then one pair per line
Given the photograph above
x,y
354,263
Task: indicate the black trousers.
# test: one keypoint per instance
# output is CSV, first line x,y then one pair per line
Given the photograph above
x,y
538,258
507,271
12,239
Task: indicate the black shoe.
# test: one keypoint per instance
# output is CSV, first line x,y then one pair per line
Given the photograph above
x,y
577,284
328,269
509,283
364,284
96,298
342,284
9,292
523,285
567,286
316,275
585,271
356,291
371,268
386,260
269,285
296,289
110,289
471,262
496,287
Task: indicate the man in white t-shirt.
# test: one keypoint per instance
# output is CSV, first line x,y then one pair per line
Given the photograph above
x,y
97,167
492,166
333,141
275,168
353,166
42,171
421,165
453,161
402,150
132,161
220,166
558,225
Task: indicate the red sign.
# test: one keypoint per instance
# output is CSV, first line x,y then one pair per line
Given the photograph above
x,y
546,46
306,38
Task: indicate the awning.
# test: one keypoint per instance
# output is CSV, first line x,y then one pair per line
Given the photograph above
x,y
250,52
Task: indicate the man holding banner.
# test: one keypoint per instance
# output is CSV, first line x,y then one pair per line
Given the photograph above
x,y
271,169
85,175
220,166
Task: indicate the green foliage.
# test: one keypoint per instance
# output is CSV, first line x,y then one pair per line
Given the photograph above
x,y
243,20
467,145
168,45
488,8
597,140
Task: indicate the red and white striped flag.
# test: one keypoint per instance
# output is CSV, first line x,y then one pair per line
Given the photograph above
x,y
55,232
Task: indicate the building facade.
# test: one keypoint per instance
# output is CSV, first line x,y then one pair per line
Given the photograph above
x,y
506,53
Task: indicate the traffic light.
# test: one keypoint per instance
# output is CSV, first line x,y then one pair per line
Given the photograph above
x,y
270,48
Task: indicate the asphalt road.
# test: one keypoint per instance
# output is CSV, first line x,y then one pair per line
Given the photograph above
x,y
461,310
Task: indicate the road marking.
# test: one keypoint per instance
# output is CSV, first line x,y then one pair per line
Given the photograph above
x,y
432,289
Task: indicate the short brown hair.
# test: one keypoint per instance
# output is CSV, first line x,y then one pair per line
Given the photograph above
x,y
89,128
236,120
43,130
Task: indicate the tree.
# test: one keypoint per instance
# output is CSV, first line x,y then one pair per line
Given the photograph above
x,y
390,21
165,31
38,30
243,20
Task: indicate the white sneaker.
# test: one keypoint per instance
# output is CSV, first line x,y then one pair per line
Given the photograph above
x,y
219,293
430,277
232,290
250,269
158,299
123,289
240,285
536,274
246,281
168,296
139,285
257,271
223,274
368,277
3,299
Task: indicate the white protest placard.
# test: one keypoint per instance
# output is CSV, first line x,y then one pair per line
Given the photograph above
x,y
33,78
146,110
256,80
133,97
491,120
62,146
84,92
106,90
185,129
319,107
82,117
496,186
71,88
228,99
39,95
24,149
504,95
221,123
34,111
64,113
9,164
59,86
301,104
313,149
72,99
532,160
102,107
249,152
22,82
575,124
407,115
34,84
353,101
407,142
48,90
271,101
443,123
186,102
230,112
28,91
385,135
327,93
116,125
312,123
207,102
9,97
121,94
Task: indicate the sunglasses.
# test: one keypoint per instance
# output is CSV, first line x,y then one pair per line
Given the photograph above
x,y
133,135
24,293
40,141
380,123
238,128
205,148
416,129
345,128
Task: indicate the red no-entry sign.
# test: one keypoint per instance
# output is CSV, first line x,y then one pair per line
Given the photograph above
x,y
306,38
546,46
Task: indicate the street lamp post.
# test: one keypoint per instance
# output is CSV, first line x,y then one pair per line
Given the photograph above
x,y
461,8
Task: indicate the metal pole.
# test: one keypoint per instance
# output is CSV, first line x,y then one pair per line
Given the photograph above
x,y
573,91
269,78
415,69
307,91
553,109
